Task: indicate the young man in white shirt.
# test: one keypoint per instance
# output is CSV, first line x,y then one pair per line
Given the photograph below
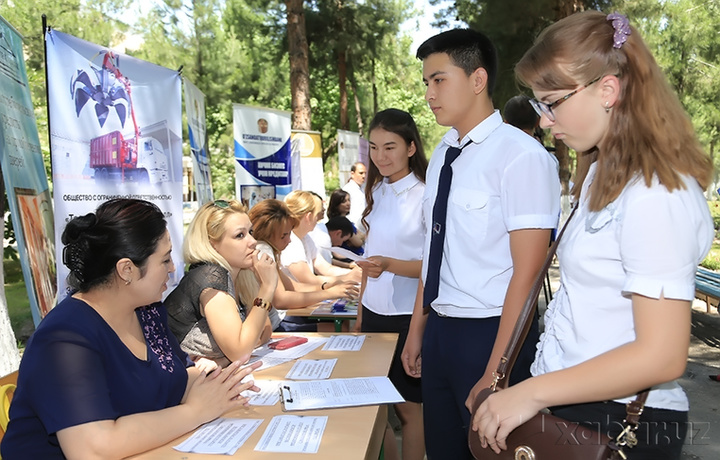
x,y
354,187
502,204
334,232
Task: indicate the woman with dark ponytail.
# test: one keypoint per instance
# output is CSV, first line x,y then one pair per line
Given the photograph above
x,y
102,376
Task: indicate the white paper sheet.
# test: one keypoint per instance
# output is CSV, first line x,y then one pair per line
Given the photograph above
x,y
221,436
272,357
293,433
269,393
311,369
322,394
344,343
345,253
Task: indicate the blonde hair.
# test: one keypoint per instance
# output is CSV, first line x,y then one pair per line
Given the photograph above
x,y
208,226
649,133
268,217
301,202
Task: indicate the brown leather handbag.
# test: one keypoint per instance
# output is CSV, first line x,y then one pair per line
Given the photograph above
x,y
545,436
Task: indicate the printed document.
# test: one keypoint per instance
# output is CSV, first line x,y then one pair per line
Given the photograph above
x,y
268,395
324,394
221,436
344,343
293,433
311,369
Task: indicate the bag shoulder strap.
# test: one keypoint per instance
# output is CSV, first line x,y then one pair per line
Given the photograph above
x,y
522,326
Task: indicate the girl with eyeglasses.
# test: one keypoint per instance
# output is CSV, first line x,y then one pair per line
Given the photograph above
x,y
620,322
220,308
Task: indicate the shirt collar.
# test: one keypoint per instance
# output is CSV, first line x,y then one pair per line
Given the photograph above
x,y
402,185
478,134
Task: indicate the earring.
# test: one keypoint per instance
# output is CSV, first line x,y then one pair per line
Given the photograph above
x,y
127,282
607,107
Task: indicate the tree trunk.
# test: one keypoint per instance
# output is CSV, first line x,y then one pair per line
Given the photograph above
x,y
356,98
9,355
342,80
298,53
198,46
374,88
564,9
563,157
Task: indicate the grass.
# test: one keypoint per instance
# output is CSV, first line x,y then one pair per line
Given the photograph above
x,y
712,261
17,301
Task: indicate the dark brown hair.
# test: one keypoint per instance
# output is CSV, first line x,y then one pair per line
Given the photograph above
x,y
401,123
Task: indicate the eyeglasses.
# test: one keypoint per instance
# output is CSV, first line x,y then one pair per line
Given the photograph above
x,y
546,109
222,204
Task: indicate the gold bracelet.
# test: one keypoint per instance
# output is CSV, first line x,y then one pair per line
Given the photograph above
x,y
265,305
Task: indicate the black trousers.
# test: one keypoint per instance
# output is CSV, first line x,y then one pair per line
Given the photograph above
x,y
661,433
455,353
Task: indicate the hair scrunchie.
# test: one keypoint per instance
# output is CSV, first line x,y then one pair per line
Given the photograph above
x,y
622,28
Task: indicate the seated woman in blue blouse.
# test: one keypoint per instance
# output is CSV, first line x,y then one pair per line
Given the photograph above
x,y
102,377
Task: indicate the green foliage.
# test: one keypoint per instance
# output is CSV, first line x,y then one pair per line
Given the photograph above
x,y
712,261
715,213
683,36
9,251
235,51
17,300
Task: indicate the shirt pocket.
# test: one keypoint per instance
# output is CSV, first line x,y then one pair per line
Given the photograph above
x,y
468,213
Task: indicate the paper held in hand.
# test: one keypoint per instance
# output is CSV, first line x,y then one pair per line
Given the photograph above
x,y
345,253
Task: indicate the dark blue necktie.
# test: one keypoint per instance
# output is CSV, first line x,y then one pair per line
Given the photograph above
x,y
437,235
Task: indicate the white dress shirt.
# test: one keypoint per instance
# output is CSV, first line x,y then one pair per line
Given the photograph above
x,y
397,231
357,202
648,242
323,242
503,181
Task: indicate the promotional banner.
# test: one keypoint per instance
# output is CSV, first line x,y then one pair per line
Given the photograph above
x,y
307,147
25,179
348,153
262,154
195,112
364,151
115,132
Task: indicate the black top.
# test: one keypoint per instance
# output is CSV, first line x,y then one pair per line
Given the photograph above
x,y
185,317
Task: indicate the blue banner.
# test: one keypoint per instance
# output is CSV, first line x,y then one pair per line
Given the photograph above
x,y
25,179
263,166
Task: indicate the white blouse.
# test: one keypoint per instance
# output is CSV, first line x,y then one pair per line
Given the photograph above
x,y
648,242
397,231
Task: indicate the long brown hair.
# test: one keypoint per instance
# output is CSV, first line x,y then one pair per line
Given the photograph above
x,y
649,133
268,218
401,123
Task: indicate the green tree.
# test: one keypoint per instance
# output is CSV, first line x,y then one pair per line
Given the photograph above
x,y
512,25
683,36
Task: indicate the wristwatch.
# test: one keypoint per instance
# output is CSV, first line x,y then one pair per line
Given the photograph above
x,y
265,305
